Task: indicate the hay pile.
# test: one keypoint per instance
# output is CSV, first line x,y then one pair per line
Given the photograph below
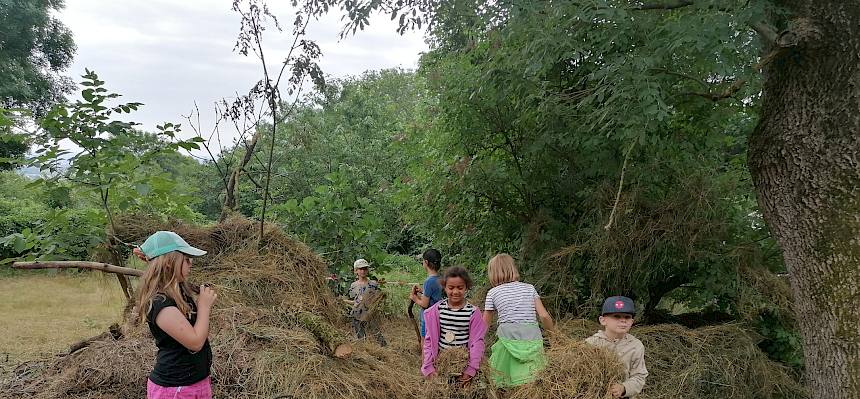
x,y
449,365
576,370
720,361
268,325
275,320
712,362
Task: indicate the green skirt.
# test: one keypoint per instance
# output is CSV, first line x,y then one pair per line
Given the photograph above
x,y
517,356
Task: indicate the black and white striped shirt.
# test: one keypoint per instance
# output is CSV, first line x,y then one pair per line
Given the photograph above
x,y
514,302
454,325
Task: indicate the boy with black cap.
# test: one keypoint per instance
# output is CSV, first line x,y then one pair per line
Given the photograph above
x,y
616,318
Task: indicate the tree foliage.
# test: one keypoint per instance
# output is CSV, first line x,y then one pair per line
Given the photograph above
x,y
35,47
338,161
82,148
602,142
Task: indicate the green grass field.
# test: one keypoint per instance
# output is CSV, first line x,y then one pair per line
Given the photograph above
x,y
41,314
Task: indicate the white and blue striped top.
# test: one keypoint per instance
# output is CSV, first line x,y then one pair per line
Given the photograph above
x,y
454,325
514,302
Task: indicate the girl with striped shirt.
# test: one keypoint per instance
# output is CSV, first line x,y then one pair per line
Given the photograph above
x,y
454,323
518,352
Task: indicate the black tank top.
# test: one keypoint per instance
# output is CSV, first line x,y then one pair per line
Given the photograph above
x,y
175,365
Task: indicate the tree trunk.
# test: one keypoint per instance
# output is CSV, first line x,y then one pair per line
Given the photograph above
x,y
804,158
232,191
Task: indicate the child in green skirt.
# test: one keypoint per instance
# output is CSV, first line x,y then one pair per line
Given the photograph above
x,y
518,352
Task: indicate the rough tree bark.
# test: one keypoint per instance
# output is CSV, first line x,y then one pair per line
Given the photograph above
x,y
804,158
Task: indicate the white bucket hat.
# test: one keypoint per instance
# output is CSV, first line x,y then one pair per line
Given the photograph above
x,y
360,264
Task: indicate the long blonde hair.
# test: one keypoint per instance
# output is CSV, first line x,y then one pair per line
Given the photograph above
x,y
163,276
502,269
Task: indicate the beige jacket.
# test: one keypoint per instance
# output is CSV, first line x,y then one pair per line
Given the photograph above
x,y
631,352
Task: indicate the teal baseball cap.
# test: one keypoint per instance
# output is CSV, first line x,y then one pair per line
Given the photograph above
x,y
162,242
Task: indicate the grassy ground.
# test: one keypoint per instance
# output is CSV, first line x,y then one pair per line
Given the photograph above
x,y
42,314
398,284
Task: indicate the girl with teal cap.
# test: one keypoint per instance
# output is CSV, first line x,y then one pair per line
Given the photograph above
x,y
178,322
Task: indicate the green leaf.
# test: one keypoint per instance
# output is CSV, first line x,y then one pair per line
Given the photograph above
x,y
19,244
88,95
291,205
309,203
142,188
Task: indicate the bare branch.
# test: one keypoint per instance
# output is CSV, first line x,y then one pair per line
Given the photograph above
x,y
738,84
221,173
290,54
665,5
620,186
682,75
728,92
105,267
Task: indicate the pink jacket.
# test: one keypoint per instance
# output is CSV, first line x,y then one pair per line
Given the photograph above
x,y
477,330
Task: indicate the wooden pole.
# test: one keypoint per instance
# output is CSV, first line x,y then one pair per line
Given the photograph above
x,y
411,314
105,267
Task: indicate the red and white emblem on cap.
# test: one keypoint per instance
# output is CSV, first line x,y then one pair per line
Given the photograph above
x,y
619,305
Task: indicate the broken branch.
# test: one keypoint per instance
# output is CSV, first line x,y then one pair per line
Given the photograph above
x,y
105,267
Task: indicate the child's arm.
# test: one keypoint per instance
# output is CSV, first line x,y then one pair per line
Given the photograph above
x,y
638,374
543,315
477,330
488,316
419,298
174,323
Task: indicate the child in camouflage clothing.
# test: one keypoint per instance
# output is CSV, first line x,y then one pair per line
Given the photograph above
x,y
362,292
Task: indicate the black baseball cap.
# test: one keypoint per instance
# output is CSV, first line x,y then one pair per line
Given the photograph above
x,y
618,304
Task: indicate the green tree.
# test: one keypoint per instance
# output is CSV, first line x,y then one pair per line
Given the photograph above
x,y
104,157
13,143
108,151
338,159
35,47
637,64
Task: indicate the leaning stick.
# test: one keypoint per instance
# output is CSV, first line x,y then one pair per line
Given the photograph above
x,y
411,314
620,185
105,267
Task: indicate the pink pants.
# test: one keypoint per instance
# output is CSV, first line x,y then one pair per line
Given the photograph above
x,y
198,390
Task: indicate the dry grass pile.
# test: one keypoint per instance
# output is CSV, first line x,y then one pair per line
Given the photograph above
x,y
578,329
711,362
449,365
575,370
271,330
280,271
275,322
764,292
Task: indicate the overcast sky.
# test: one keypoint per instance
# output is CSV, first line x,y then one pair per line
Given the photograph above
x,y
169,54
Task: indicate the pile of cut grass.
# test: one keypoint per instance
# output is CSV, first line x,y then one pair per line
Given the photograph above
x,y
275,320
